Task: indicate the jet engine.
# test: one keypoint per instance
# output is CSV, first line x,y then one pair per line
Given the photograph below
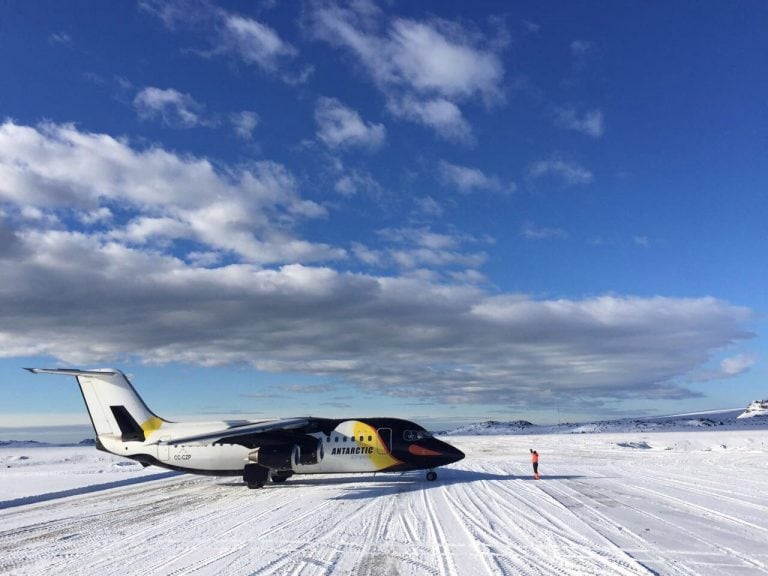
x,y
278,457
303,451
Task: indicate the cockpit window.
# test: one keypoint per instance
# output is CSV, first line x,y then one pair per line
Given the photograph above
x,y
413,435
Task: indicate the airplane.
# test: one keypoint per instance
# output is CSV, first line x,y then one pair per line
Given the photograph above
x,y
260,452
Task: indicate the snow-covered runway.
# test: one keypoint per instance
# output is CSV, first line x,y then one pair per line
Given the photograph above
x,y
667,503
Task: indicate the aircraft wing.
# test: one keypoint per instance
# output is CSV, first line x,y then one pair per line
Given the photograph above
x,y
285,425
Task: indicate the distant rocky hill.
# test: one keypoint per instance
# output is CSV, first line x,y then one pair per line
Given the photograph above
x,y
36,444
22,444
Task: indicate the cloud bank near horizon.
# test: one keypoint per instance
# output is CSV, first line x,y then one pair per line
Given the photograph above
x,y
110,252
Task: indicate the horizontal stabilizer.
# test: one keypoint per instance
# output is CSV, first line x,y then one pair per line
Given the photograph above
x,y
71,371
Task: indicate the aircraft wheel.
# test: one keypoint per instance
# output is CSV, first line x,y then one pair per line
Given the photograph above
x,y
280,477
255,476
431,476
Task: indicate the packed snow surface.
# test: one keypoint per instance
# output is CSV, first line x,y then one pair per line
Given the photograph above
x,y
612,503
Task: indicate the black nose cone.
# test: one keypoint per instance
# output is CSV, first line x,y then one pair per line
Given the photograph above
x,y
451,453
431,452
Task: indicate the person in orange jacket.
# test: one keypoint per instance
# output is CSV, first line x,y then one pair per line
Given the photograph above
x,y
535,461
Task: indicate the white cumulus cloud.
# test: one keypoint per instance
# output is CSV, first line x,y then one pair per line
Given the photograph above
x,y
244,123
169,105
570,173
735,365
253,41
341,126
249,212
425,68
589,123
467,179
229,34
533,232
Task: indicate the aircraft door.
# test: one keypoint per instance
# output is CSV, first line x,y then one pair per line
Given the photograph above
x,y
164,450
385,446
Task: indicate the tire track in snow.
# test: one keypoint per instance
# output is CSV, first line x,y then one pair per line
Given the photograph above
x,y
710,493
293,548
638,544
126,529
53,543
372,535
130,528
487,525
619,562
389,542
27,500
209,560
322,546
692,512
381,551
247,515
318,536
481,552
546,520
439,541
726,550
413,538
597,522
708,486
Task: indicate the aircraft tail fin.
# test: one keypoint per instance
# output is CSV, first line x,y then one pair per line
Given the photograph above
x,y
113,404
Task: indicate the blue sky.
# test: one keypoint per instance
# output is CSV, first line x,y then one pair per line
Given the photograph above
x,y
420,209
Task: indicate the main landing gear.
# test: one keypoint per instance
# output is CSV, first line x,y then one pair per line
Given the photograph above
x,y
280,477
431,476
255,476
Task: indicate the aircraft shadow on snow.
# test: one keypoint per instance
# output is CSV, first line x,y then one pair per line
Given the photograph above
x,y
372,486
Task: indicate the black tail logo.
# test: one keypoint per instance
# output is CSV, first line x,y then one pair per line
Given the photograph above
x,y
131,431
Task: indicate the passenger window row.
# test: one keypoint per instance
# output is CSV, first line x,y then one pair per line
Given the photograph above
x,y
345,439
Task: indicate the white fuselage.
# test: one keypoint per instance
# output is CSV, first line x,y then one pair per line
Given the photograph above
x,y
350,447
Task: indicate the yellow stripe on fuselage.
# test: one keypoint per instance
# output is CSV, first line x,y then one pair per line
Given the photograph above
x,y
381,456
151,425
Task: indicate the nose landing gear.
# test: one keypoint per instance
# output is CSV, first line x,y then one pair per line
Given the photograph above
x,y
431,476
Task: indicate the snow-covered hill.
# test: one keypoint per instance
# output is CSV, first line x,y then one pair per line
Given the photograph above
x,y
756,408
721,419
493,427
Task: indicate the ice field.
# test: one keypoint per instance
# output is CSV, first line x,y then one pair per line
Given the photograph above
x,y
612,503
